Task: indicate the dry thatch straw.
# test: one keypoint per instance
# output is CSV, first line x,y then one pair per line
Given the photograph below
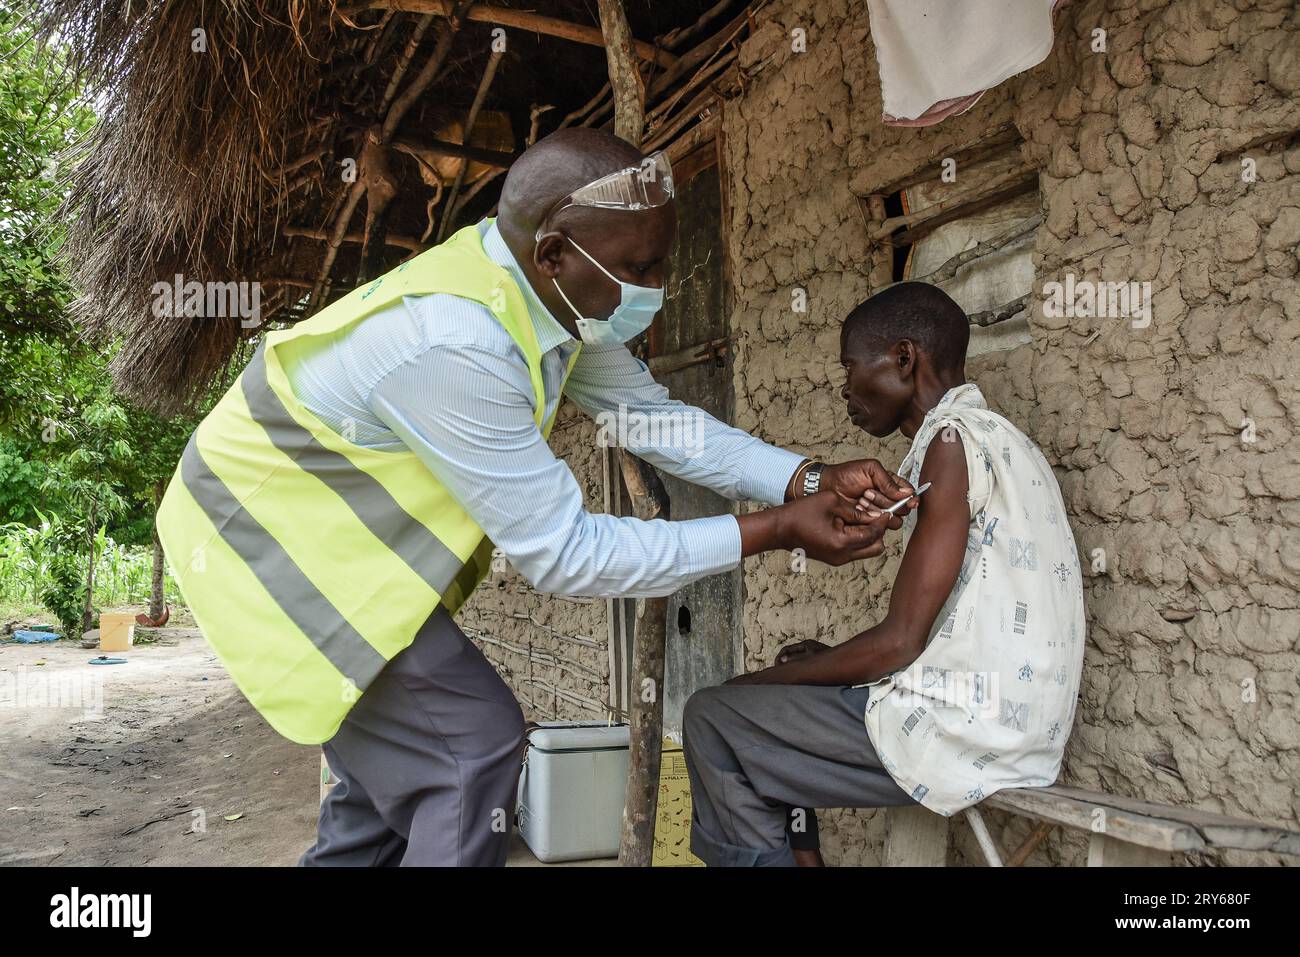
x,y
183,172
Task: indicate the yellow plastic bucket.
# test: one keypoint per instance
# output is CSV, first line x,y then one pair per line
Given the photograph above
x,y
116,631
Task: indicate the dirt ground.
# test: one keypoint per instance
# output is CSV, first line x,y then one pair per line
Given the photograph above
x,y
143,763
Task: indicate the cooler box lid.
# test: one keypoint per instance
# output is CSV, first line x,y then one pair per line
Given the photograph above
x,y
578,736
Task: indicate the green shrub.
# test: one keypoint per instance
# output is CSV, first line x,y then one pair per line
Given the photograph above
x,y
32,561
64,593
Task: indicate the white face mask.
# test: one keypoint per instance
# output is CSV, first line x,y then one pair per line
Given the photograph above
x,y
636,310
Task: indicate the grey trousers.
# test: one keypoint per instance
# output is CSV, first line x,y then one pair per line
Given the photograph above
x,y
758,753
427,760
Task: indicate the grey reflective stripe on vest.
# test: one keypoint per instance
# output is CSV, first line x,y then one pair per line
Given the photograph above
x,y
293,591
372,504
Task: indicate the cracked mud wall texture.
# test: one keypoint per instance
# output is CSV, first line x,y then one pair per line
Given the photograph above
x,y
551,650
1139,151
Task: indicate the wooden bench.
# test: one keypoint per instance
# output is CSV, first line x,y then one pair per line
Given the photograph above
x,y
1124,831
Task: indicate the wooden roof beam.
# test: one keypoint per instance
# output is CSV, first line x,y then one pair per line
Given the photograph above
x,y
429,149
520,19
391,239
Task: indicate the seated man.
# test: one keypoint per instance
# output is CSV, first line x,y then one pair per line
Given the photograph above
x,y
969,683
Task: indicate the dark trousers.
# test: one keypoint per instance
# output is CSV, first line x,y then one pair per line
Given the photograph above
x,y
428,762
760,756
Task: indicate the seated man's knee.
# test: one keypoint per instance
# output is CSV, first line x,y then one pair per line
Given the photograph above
x,y
701,709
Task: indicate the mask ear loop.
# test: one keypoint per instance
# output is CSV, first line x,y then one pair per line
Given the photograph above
x,y
556,282
537,238
566,300
593,261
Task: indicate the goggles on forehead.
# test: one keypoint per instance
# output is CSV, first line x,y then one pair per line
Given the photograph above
x,y
644,186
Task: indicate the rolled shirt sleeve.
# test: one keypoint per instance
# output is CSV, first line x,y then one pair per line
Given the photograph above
x,y
467,411
613,386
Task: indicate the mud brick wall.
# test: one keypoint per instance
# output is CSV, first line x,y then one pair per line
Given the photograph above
x,y
552,651
1175,445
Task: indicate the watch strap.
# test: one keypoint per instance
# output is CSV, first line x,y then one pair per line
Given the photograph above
x,y
812,478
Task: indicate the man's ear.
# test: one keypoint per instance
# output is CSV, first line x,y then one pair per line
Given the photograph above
x,y
548,252
905,356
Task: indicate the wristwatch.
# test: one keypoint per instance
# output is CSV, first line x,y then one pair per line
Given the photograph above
x,y
812,478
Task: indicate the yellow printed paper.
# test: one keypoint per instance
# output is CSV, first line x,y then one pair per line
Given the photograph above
x,y
673,815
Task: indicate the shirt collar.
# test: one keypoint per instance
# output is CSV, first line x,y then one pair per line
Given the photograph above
x,y
548,329
964,396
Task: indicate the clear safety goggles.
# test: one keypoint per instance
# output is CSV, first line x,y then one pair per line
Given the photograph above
x,y
644,186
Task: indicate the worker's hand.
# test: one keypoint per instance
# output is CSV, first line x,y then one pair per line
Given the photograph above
x,y
832,528
869,481
799,649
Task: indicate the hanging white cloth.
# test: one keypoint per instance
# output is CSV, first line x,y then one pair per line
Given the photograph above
x,y
937,57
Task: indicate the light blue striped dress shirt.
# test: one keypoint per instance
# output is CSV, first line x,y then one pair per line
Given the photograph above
x,y
439,375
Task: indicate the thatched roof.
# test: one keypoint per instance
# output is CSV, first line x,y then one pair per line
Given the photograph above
x,y
221,155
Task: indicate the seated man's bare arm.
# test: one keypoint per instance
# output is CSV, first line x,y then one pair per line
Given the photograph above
x,y
925,578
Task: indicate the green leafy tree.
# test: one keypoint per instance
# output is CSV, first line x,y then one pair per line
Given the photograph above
x,y
88,468
69,448
42,362
41,116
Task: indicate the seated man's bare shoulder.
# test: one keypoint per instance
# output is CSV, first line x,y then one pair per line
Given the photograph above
x,y
945,466
937,546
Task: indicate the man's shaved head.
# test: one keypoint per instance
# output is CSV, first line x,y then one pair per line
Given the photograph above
x,y
617,245
554,167
917,311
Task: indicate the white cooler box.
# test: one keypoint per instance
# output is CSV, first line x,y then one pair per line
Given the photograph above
x,y
572,788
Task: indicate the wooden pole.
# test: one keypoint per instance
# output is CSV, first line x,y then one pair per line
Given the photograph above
x,y
624,75
645,706
381,187
404,61
649,500
158,586
484,84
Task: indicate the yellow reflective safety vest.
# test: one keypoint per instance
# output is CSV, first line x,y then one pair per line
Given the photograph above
x,y
309,561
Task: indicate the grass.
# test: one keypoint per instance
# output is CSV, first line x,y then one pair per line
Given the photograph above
x,y
24,611
123,573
